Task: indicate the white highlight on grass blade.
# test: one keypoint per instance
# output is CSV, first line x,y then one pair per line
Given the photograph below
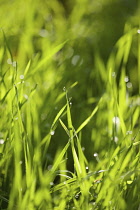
x,y
138,31
75,59
52,133
1,141
51,183
21,76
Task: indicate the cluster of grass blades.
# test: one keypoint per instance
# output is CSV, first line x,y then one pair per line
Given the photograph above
x,y
29,182
69,134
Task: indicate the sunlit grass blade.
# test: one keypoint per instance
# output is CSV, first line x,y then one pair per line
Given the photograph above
x,y
49,56
27,68
58,116
87,120
60,157
65,128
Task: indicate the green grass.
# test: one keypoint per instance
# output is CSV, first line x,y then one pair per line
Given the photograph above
x,y
69,107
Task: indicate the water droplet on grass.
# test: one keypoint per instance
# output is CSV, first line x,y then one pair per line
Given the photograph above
x,y
51,183
1,141
52,133
128,132
25,96
14,63
49,167
113,74
75,59
116,139
129,85
64,89
21,76
95,154
43,33
126,79
9,61
116,120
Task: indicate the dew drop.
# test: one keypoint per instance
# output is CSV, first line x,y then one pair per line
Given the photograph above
x,y
64,89
126,79
115,139
128,132
95,154
129,85
21,76
75,59
113,74
51,183
1,141
116,120
49,167
14,63
9,61
25,96
52,133
43,33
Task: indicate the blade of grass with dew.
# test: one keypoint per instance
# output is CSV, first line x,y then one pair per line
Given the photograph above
x,y
70,127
